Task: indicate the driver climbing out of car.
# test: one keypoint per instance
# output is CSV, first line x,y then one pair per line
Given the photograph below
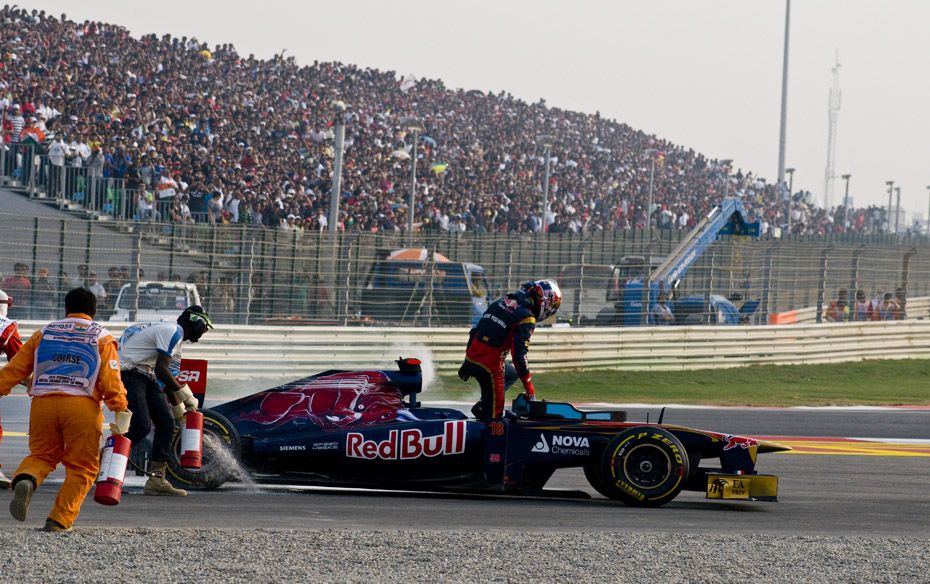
x,y
506,327
150,356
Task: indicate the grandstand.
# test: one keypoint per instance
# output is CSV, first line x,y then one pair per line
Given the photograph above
x,y
173,130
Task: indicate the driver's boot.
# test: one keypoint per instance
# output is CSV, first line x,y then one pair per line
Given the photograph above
x,y
157,485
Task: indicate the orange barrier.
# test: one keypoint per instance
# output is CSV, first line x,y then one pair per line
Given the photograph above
x,y
790,317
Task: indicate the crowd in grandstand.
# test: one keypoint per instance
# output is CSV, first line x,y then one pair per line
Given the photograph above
x,y
204,134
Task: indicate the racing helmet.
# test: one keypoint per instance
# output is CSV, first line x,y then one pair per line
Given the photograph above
x,y
547,294
195,321
5,302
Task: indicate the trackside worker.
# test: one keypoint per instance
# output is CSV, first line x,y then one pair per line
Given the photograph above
x,y
10,343
506,327
74,365
150,354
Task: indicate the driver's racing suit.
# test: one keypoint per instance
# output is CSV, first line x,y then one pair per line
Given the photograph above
x,y
505,327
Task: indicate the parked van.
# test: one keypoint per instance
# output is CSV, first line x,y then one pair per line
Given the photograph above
x,y
417,292
158,301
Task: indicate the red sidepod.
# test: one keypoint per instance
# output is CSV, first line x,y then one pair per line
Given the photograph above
x,y
112,470
192,440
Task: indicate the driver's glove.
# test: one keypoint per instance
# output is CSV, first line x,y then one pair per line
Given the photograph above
x,y
463,371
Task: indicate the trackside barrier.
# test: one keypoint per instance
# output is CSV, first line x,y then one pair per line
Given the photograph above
x,y
256,352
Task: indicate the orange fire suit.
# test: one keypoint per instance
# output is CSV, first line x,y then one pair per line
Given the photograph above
x,y
65,419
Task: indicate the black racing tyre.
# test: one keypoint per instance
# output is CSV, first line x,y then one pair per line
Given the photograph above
x,y
644,466
592,472
217,467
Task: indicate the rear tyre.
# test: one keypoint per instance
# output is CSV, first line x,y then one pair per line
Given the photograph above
x,y
220,457
644,466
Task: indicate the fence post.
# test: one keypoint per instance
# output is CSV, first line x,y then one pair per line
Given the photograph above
x,y
710,286
135,261
87,244
33,191
854,270
822,286
212,263
61,258
767,282
242,303
172,246
61,185
35,252
290,293
905,279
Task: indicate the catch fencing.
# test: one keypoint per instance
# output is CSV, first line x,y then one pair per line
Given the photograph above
x,y
248,275
275,352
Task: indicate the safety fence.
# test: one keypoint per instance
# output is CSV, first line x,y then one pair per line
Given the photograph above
x,y
246,275
267,352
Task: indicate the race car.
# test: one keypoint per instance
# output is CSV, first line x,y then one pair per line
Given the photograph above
x,y
367,429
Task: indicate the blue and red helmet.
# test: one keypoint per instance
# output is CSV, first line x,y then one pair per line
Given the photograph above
x,y
547,294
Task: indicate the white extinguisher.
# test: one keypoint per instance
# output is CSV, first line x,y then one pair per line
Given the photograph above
x,y
112,470
192,440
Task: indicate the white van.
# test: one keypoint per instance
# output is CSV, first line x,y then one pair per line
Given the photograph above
x,y
158,301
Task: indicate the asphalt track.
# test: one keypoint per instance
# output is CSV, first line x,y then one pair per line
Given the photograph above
x,y
875,485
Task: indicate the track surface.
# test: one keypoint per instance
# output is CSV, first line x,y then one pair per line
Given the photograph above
x,y
882,492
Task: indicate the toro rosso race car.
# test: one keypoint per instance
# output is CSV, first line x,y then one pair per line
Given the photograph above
x,y
367,429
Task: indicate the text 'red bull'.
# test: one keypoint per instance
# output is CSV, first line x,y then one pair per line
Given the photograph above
x,y
408,444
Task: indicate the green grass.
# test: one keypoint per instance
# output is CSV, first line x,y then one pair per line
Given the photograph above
x,y
866,383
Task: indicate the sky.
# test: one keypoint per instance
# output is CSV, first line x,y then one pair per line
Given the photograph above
x,y
705,74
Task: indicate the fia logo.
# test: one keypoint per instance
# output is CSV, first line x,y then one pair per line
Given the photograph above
x,y
540,446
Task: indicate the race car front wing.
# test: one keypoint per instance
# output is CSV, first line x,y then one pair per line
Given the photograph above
x,y
745,487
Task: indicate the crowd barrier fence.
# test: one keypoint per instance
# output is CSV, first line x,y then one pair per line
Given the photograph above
x,y
264,352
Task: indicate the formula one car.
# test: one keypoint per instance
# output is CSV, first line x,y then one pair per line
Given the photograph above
x,y
367,429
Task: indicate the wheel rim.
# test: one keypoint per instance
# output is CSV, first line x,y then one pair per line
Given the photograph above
x,y
647,466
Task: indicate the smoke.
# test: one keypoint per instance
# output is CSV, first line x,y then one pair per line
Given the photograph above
x,y
227,461
425,355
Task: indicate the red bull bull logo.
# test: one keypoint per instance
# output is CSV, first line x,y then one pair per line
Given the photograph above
x,y
740,441
409,444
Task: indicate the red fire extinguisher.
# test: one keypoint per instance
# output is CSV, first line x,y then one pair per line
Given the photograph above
x,y
192,440
112,470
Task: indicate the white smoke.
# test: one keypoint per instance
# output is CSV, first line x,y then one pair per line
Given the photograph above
x,y
425,355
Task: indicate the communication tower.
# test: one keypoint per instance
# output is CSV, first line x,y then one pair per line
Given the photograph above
x,y
833,112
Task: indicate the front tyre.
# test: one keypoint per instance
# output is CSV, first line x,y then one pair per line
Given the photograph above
x,y
220,459
645,466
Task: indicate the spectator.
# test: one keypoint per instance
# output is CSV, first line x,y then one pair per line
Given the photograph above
x,y
78,281
862,309
889,308
838,311
900,297
97,288
44,297
661,312
18,286
171,120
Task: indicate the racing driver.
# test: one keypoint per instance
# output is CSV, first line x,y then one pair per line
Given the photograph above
x,y
150,354
506,327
